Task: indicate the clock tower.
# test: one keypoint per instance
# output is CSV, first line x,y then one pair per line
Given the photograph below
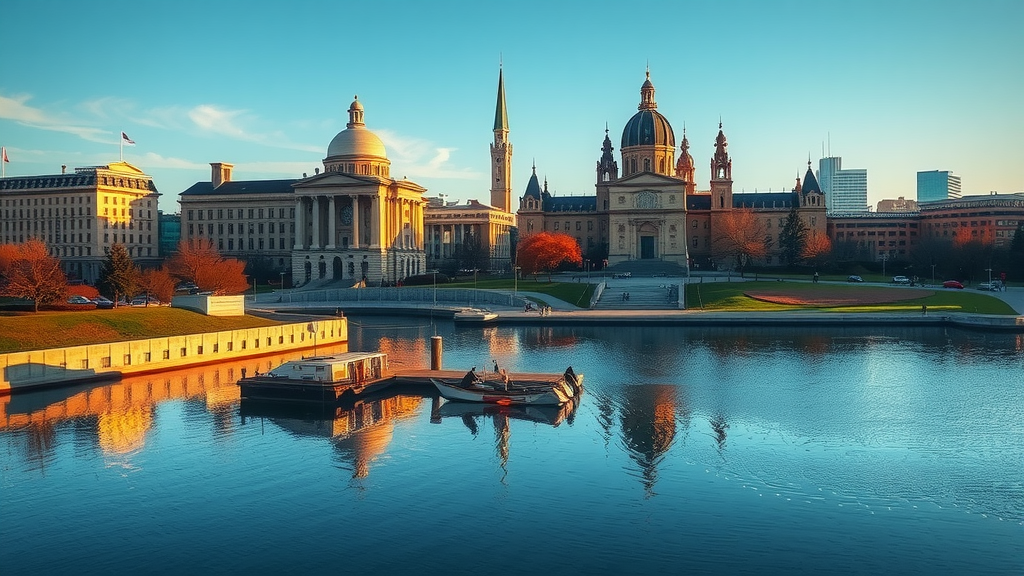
x,y
501,154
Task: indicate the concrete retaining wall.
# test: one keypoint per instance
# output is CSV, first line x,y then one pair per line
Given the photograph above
x,y
58,366
211,305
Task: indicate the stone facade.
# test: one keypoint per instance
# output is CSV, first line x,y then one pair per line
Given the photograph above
x,y
81,215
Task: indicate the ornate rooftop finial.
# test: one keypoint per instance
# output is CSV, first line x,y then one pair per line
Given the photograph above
x,y
647,94
355,113
535,166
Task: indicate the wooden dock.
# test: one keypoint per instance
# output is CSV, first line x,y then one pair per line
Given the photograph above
x,y
424,375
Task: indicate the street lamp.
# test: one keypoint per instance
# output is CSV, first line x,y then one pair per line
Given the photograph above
x,y
515,280
933,274
434,274
282,280
989,270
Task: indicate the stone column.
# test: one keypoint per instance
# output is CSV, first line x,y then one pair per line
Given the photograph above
x,y
375,222
317,243
300,224
332,223
356,215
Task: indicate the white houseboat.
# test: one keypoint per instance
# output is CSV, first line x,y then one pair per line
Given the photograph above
x,y
320,378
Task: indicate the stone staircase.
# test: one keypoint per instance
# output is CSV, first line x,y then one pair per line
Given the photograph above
x,y
647,268
643,296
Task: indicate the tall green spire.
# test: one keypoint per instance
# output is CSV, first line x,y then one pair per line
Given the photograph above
x,y
500,113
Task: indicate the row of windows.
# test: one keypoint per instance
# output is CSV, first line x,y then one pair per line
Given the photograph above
x,y
253,213
49,212
183,352
259,244
48,201
130,213
198,228
46,225
106,200
579,225
130,226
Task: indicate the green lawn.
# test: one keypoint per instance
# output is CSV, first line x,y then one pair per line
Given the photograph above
x,y
577,293
20,331
729,297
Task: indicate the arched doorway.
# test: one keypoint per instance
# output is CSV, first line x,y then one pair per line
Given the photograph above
x,y
336,268
321,268
365,266
648,241
309,270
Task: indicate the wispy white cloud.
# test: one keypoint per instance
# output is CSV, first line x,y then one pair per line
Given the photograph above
x,y
235,124
154,160
419,158
17,109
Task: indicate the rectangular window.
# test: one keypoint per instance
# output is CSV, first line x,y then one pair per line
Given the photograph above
x,y
184,352
167,354
231,346
147,356
199,350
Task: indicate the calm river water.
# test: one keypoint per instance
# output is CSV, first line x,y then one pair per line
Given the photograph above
x,y
711,450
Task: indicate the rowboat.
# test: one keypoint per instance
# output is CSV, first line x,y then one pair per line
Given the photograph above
x,y
500,389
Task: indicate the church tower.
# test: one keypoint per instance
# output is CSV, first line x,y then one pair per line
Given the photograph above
x,y
685,167
721,174
501,154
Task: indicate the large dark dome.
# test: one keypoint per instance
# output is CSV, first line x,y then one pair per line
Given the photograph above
x,y
648,128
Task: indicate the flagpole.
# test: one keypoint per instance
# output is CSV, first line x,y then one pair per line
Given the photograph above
x,y
120,146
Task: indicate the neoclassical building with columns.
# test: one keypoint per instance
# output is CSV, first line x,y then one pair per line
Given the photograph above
x,y
354,220
351,221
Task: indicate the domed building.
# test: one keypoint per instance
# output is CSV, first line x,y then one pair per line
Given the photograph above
x,y
652,218
354,221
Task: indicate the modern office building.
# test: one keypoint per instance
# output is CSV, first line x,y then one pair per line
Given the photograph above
x,y
934,185
81,215
846,191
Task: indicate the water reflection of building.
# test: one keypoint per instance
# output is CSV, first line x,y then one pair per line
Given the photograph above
x,y
648,416
359,432
118,416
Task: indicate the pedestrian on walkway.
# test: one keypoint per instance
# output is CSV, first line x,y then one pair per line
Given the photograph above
x,y
924,309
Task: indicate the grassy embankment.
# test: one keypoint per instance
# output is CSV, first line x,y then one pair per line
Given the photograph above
x,y
576,293
730,297
37,331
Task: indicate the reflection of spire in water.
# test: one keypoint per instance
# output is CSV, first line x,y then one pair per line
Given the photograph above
x,y
649,427
605,410
502,433
719,425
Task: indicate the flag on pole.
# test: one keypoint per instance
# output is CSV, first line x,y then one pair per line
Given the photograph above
x,y
126,140
3,150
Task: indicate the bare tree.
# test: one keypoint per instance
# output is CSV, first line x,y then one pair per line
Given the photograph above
x,y
740,234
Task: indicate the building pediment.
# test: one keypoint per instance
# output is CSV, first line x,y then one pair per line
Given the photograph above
x,y
646,179
340,180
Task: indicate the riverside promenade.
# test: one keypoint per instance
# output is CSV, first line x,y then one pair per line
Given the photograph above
x,y
564,313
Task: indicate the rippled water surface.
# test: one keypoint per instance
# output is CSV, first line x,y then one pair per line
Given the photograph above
x,y
731,451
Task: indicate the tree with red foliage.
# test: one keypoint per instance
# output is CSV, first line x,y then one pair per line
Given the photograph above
x,y
28,271
544,252
159,283
199,262
816,249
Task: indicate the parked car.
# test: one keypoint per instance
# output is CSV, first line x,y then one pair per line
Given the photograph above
x,y
854,279
901,280
143,301
76,299
102,302
953,284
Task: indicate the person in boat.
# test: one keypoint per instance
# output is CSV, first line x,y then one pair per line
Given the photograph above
x,y
469,378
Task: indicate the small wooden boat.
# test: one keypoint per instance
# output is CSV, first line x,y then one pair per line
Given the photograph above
x,y
501,389
543,414
321,378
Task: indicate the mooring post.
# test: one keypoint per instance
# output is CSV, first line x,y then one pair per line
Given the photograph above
x,y
435,352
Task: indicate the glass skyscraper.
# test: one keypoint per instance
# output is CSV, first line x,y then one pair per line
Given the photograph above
x,y
937,185
846,191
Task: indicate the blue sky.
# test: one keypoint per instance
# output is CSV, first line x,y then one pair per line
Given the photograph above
x,y
896,86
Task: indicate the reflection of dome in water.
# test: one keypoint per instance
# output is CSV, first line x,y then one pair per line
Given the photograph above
x,y
649,426
367,429
124,432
